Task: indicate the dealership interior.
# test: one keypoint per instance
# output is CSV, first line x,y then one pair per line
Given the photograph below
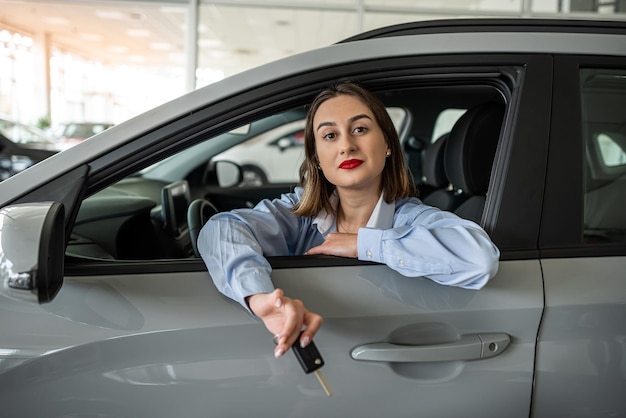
x,y
107,61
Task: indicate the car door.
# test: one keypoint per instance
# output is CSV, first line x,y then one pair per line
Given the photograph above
x,y
155,338
581,348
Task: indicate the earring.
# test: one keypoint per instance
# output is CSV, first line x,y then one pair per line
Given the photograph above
x,y
388,153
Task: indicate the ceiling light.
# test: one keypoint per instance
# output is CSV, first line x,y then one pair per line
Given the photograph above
x,y
55,20
216,53
117,49
110,14
118,15
5,35
161,46
138,33
173,9
93,37
209,43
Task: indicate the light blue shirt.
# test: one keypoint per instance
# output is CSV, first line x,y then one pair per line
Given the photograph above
x,y
408,236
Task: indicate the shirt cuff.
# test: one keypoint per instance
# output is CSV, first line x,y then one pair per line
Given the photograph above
x,y
369,244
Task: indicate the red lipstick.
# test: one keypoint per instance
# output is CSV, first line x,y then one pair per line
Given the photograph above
x,y
350,164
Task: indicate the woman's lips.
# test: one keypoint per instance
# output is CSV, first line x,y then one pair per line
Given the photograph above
x,y
350,164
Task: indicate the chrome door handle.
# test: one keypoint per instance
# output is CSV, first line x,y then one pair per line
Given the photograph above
x,y
469,347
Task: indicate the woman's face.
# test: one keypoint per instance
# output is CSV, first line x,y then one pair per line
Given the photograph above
x,y
350,145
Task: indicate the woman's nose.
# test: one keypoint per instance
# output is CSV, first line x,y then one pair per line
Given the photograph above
x,y
346,144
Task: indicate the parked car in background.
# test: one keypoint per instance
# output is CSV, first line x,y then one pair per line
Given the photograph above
x,y
272,157
74,132
107,310
21,146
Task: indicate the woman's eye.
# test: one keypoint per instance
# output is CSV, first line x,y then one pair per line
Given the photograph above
x,y
360,129
329,136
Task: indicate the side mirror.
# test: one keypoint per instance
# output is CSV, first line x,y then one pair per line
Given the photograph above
x,y
228,174
283,144
32,247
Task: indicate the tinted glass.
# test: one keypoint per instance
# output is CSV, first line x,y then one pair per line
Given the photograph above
x,y
603,95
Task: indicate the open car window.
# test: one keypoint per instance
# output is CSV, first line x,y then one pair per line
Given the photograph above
x,y
144,216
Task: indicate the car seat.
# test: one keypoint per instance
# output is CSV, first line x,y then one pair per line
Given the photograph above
x,y
413,150
469,155
435,186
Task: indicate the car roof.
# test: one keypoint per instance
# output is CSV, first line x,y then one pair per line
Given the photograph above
x,y
494,25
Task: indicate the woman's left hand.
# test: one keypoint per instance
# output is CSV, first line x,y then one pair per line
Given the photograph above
x,y
340,244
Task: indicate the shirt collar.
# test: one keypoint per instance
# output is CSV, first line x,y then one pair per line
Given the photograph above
x,y
381,218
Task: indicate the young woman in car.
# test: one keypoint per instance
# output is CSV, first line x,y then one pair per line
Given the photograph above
x,y
357,199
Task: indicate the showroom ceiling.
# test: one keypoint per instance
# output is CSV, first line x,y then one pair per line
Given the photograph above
x,y
233,35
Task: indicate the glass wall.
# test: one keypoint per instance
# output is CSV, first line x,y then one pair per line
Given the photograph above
x,y
99,62
83,90
16,74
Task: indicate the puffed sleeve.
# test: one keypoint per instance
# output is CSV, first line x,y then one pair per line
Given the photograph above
x,y
439,245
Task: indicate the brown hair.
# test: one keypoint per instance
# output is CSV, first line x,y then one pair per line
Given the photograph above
x,y
397,183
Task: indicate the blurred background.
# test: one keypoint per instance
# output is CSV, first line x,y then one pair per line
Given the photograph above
x,y
70,69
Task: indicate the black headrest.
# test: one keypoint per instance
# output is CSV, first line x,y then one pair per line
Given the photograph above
x,y
471,147
433,166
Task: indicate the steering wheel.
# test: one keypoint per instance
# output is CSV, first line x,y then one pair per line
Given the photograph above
x,y
198,213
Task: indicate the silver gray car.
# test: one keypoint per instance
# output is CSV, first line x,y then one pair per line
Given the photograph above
x,y
520,125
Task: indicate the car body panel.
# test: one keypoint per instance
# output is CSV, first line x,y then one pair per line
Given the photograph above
x,y
183,334
582,341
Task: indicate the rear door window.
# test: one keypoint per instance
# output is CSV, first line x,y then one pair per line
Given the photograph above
x,y
603,94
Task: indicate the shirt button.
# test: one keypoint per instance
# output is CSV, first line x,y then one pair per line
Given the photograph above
x,y
368,254
402,262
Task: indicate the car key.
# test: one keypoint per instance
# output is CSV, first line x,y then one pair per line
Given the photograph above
x,y
311,360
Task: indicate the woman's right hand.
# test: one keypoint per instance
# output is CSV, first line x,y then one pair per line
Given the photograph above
x,y
285,317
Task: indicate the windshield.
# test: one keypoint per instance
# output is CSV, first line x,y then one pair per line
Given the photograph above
x,y
22,134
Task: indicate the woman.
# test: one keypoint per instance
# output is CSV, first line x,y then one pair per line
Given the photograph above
x,y
357,200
